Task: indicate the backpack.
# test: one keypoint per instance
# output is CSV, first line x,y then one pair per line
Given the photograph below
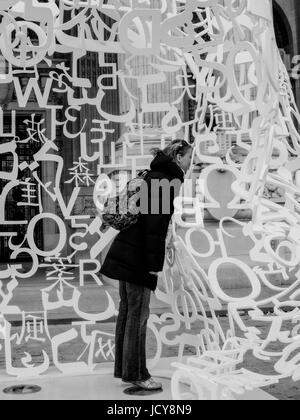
x,y
120,212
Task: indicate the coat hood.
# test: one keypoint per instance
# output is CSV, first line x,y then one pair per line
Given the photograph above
x,y
165,164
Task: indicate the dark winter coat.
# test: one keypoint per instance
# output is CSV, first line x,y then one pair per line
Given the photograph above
x,y
141,248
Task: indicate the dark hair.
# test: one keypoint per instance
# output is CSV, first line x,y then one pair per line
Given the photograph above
x,y
176,147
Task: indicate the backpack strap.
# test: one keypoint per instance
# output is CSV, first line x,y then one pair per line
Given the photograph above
x,y
144,173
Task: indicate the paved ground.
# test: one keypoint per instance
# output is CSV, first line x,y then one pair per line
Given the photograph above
x,y
285,390
28,298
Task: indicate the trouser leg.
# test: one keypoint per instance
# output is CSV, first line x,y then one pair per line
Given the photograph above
x,y
120,330
134,351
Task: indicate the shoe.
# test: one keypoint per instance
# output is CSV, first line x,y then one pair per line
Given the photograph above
x,y
149,385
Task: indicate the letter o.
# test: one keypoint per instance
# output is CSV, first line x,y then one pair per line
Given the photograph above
x,y
210,239
62,234
254,281
7,47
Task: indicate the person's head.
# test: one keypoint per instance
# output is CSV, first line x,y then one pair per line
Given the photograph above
x,y
180,152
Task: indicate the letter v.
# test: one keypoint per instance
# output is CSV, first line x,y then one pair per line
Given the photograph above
x,y
67,210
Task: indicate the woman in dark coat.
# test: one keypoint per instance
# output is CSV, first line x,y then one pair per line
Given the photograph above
x,y
137,256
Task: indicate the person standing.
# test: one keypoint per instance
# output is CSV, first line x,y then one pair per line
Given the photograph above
x,y
137,256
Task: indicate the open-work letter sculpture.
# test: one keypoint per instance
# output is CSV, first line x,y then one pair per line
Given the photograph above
x,y
139,62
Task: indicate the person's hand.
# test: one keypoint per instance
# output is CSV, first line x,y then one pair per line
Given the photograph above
x,y
152,272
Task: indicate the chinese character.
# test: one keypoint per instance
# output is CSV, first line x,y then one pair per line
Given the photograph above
x,y
30,194
34,328
81,174
61,269
35,131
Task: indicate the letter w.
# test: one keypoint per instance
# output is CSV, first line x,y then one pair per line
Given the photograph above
x,y
33,85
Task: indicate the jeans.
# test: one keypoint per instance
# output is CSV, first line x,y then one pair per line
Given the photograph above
x,y
134,311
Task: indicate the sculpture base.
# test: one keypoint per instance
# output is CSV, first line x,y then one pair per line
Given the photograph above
x,y
99,386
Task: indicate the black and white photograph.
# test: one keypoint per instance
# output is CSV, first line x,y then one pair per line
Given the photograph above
x,y
149,202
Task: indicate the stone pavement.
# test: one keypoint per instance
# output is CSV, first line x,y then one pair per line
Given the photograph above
x,y
285,390
27,297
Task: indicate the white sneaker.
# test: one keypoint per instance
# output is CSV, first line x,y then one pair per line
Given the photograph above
x,y
149,385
